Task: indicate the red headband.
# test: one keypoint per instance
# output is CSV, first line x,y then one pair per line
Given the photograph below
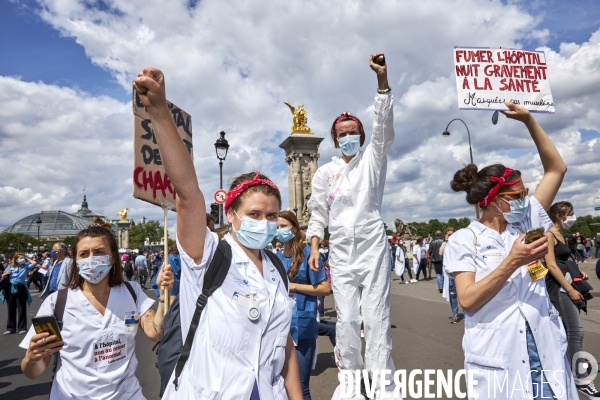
x,y
344,117
242,187
500,182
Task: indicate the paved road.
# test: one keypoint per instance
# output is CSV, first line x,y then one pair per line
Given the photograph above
x,y
422,335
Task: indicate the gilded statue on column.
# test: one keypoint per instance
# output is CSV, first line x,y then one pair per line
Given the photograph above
x,y
300,120
123,215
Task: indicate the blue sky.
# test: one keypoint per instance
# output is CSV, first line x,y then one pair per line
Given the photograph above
x,y
285,50
28,39
36,52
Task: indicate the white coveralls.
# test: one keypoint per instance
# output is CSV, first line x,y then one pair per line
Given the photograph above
x,y
347,197
495,343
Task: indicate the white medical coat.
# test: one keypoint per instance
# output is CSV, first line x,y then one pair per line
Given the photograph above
x,y
231,352
78,376
399,264
495,334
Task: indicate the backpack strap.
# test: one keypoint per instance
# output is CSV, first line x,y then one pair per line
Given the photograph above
x,y
131,291
59,312
279,265
213,279
59,307
474,238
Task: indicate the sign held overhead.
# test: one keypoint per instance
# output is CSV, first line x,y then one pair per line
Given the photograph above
x,y
487,76
150,181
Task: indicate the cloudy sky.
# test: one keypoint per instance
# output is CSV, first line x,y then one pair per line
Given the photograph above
x,y
66,68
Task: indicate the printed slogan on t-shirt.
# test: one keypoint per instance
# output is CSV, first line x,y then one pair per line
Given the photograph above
x,y
106,353
150,181
487,76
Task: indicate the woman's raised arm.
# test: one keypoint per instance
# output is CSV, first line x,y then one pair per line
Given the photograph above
x,y
191,208
554,166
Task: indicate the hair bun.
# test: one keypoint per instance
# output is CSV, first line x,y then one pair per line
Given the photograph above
x,y
464,179
100,222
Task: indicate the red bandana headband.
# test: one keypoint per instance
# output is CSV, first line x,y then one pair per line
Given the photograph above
x,y
500,182
242,187
344,117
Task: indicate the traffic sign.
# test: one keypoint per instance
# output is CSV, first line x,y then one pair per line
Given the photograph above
x,y
220,196
596,208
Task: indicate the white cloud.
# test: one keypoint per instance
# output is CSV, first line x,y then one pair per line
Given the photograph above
x,y
232,64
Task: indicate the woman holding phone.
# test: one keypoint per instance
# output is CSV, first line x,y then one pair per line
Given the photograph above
x,y
100,318
512,331
242,348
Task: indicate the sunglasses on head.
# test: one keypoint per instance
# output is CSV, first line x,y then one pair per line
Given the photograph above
x,y
521,193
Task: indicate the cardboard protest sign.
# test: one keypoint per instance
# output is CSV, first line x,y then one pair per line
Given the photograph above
x,y
150,181
487,76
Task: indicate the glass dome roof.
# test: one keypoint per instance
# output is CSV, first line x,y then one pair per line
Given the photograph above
x,y
53,223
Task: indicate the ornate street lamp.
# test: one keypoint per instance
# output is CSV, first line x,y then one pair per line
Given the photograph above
x,y
222,147
446,134
11,248
38,222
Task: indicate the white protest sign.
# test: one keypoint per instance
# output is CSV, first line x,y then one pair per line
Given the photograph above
x,y
487,76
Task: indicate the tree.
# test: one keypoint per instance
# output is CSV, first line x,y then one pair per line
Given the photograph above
x,y
138,234
19,242
388,232
584,227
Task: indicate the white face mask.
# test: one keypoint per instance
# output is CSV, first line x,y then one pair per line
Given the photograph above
x,y
569,222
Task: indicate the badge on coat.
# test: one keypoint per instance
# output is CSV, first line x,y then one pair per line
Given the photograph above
x,y
132,321
537,270
245,299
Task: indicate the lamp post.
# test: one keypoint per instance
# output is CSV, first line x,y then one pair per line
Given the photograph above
x,y
446,134
11,248
221,146
38,222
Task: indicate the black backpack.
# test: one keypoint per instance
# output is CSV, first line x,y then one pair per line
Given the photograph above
x,y
172,353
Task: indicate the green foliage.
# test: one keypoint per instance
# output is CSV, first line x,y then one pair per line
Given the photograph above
x,y
584,227
388,231
69,241
152,230
425,229
18,240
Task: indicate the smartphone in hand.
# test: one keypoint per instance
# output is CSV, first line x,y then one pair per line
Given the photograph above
x,y
47,323
534,234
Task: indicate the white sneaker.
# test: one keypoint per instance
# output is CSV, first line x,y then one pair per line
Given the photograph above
x,y
414,281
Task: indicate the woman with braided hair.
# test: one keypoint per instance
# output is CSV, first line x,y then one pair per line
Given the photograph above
x,y
513,335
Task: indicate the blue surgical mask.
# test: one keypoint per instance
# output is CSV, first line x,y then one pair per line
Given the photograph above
x,y
284,235
350,144
255,234
21,261
53,254
94,268
518,210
